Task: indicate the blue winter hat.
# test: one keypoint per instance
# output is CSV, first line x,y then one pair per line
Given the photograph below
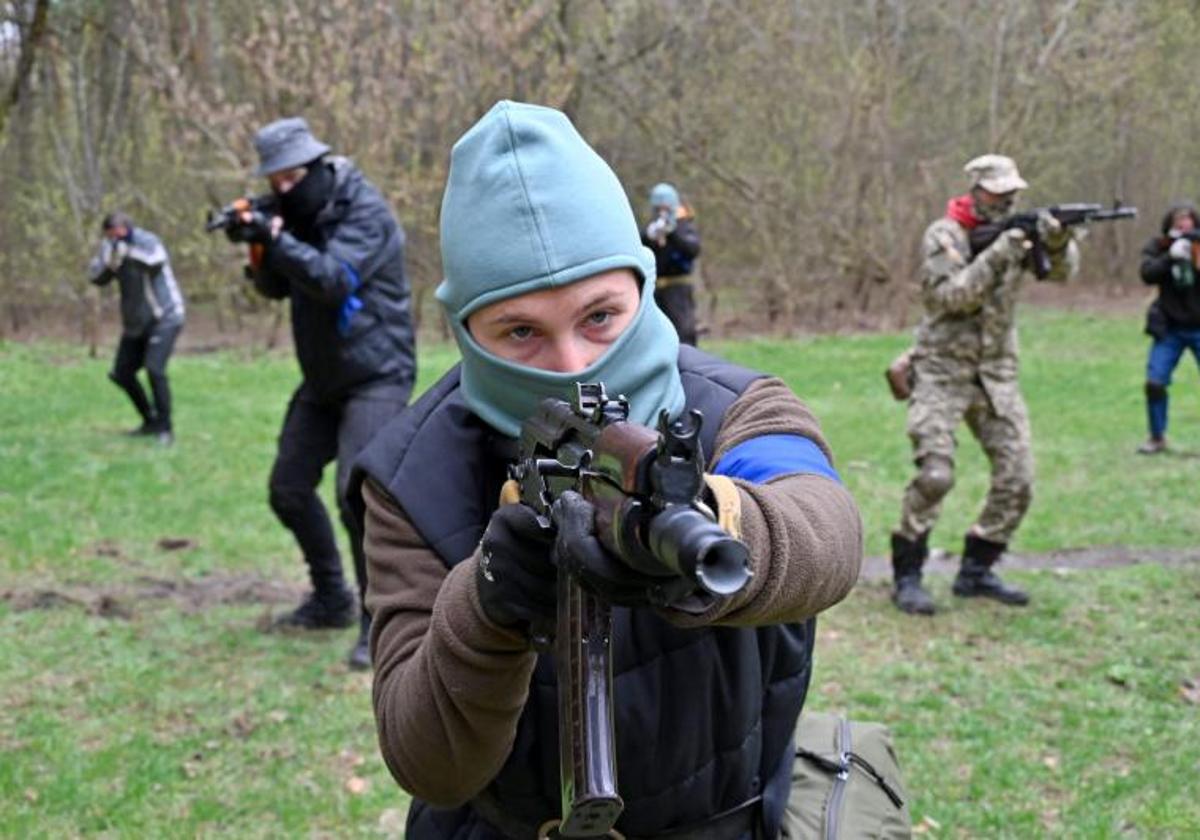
x,y
529,206
664,193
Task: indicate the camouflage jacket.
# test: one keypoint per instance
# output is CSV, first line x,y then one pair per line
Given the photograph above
x,y
968,328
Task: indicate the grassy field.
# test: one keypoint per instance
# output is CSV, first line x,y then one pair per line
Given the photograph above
x,y
139,696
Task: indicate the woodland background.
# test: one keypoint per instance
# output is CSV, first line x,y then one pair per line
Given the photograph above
x,y
814,138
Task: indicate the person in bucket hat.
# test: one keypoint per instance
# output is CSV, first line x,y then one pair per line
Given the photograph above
x,y
329,243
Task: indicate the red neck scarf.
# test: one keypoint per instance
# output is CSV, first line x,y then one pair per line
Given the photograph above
x,y
962,210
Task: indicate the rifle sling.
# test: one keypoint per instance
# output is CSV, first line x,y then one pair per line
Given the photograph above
x,y
742,820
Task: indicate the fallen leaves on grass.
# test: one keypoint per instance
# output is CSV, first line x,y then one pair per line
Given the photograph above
x,y
927,825
350,758
242,725
1052,821
106,548
191,766
1189,690
357,785
391,822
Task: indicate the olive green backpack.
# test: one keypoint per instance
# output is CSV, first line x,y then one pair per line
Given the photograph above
x,y
845,782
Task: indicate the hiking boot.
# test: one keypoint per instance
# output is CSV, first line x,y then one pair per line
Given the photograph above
x,y
977,580
165,437
321,611
360,655
1153,446
907,558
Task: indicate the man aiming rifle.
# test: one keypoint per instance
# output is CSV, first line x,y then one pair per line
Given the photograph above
x,y
547,286
325,238
964,367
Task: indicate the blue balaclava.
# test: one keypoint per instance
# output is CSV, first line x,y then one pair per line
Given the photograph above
x,y
529,205
666,194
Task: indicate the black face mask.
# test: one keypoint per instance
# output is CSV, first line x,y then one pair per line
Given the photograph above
x,y
301,204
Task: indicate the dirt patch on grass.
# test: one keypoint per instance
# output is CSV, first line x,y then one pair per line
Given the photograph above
x,y
1100,557
124,600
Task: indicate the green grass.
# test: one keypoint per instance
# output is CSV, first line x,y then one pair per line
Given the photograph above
x,y
1065,719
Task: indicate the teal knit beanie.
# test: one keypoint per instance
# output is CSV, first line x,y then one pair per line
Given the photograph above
x,y
666,194
528,206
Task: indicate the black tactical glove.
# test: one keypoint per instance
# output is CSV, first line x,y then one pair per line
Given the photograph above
x,y
516,577
256,230
578,550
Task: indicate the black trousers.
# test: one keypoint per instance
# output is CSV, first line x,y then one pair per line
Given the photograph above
x,y
679,305
315,433
150,350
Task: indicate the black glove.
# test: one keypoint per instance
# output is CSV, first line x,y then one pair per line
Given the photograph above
x,y
257,230
578,550
516,578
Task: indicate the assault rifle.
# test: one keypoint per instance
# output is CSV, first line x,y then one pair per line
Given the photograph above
x,y
1068,215
231,214
646,486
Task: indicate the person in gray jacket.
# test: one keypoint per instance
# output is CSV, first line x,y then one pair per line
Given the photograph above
x,y
328,241
151,317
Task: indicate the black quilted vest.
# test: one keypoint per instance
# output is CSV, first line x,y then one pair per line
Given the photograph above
x,y
704,717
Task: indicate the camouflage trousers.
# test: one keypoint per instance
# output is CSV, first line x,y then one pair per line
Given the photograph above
x,y
997,417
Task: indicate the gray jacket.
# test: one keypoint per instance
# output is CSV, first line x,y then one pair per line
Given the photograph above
x,y
149,293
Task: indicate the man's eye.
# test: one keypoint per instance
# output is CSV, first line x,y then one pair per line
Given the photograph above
x,y
520,333
599,318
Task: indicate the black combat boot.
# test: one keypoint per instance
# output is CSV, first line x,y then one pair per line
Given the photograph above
x,y
360,654
976,578
907,558
325,610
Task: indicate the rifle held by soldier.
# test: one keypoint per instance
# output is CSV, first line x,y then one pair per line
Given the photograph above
x,y
646,486
1068,215
232,214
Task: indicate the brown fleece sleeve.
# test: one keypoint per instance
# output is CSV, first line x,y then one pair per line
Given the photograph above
x,y
804,531
449,685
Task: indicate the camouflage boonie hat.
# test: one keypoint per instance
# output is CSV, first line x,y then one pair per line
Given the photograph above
x,y
995,173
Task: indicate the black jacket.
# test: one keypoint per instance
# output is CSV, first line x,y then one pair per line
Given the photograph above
x,y
676,257
350,297
1178,302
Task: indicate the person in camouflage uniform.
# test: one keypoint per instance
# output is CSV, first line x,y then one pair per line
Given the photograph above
x,y
964,366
